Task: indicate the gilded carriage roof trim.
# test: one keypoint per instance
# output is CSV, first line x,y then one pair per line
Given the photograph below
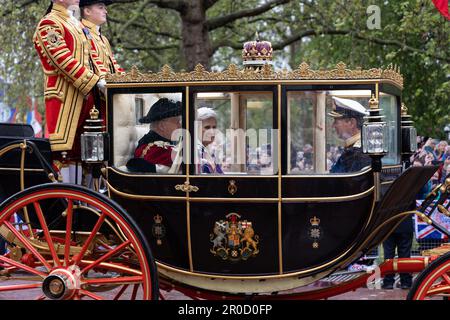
x,y
233,73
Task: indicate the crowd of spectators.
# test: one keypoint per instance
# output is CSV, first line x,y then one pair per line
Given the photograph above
x,y
432,151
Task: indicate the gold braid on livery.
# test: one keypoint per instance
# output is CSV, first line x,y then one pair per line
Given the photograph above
x,y
102,49
65,55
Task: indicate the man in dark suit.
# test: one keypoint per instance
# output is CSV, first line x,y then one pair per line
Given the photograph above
x,y
401,239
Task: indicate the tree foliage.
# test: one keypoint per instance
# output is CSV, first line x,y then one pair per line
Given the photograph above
x,y
20,70
182,33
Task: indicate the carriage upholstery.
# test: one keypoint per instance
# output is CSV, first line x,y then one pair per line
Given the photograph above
x,y
17,132
10,161
127,129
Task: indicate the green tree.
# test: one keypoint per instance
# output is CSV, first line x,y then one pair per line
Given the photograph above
x,y
413,35
19,66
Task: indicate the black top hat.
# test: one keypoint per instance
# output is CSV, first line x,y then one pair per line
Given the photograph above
x,y
84,3
162,109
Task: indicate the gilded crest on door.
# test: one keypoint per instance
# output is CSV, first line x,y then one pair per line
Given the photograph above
x,y
234,239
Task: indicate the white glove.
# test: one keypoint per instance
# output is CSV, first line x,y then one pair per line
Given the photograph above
x,y
101,84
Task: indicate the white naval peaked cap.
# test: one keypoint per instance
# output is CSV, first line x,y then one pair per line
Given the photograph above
x,y
347,107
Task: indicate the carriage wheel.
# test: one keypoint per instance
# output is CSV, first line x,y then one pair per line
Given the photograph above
x,y
433,282
79,245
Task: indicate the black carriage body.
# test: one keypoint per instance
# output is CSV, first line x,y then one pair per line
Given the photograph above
x,y
298,252
11,138
304,224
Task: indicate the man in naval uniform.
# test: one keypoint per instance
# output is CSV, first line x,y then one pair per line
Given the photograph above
x,y
156,152
70,79
348,120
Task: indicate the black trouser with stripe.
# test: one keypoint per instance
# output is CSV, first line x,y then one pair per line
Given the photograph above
x,y
403,242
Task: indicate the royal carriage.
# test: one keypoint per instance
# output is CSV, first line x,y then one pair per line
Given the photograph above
x,y
273,220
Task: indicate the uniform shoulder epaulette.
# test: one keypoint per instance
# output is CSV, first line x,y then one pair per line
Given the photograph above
x,y
162,144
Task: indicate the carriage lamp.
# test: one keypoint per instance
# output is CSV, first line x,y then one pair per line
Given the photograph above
x,y
409,135
374,131
374,136
375,141
94,139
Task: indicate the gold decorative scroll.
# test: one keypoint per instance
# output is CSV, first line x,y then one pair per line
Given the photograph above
x,y
232,73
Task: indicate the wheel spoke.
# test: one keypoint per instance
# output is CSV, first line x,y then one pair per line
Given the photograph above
x,y
48,238
90,238
114,267
69,213
446,278
121,291
106,256
134,294
90,295
27,244
20,287
22,266
438,289
118,280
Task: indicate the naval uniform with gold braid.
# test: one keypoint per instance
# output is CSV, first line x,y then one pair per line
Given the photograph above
x,y
66,58
352,159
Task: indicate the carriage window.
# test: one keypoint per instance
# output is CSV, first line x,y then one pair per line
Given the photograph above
x,y
388,103
139,109
146,132
324,131
233,133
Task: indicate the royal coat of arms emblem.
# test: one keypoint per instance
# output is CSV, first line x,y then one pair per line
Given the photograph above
x,y
234,239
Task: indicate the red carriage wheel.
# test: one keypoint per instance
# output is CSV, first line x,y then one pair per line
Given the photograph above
x,y
433,282
77,244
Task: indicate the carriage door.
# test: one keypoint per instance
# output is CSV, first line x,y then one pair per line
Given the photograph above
x,y
233,172
145,190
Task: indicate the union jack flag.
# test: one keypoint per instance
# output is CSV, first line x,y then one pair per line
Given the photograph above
x,y
425,231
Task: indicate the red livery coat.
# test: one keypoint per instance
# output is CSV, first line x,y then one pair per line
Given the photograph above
x,y
66,56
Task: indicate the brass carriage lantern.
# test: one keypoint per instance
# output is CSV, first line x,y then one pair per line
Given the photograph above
x,y
94,140
375,141
409,136
375,131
